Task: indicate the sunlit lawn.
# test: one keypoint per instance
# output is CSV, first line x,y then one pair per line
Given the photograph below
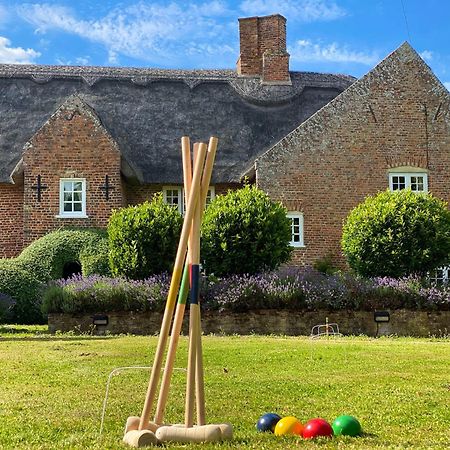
x,y
52,389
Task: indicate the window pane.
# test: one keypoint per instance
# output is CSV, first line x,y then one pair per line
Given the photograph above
x,y
77,207
67,196
417,184
68,186
67,207
398,182
77,196
78,186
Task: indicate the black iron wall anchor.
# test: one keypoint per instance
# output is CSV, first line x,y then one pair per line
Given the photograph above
x,y
107,187
39,187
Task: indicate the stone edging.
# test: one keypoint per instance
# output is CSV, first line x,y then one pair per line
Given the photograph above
x,y
402,323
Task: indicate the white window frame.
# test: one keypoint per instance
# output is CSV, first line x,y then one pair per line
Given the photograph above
x,y
72,214
440,276
179,190
293,215
408,176
182,204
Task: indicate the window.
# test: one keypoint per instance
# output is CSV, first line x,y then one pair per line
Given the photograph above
x,y
296,229
440,276
72,197
417,182
174,195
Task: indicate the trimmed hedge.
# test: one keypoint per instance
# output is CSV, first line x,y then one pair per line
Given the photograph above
x,y
143,239
46,257
22,278
24,288
244,231
397,233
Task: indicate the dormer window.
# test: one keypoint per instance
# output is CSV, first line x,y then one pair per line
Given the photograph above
x,y
413,179
72,197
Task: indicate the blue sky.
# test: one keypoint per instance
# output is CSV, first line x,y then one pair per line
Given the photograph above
x,y
337,36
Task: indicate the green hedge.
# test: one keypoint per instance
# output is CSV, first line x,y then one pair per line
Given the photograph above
x,y
397,233
22,278
244,231
46,257
143,239
24,288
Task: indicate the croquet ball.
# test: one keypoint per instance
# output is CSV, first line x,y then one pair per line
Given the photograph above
x,y
317,427
288,425
346,426
267,422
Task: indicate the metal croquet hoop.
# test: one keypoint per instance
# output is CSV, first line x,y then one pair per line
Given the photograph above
x,y
325,330
117,371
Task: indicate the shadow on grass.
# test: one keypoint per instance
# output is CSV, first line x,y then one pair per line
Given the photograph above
x,y
17,329
40,333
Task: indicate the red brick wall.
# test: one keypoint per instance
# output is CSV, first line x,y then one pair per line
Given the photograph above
x,y
136,194
397,115
11,220
72,144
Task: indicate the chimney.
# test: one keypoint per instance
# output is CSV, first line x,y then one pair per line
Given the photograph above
x,y
263,49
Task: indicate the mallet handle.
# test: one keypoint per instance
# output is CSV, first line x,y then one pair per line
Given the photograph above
x,y
182,296
199,379
173,290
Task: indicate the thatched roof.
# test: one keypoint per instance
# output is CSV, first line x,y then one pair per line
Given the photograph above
x,y
147,111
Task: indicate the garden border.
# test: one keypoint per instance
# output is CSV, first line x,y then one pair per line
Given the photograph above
x,y
279,322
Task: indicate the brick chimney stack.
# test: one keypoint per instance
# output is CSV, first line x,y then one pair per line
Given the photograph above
x,y
263,49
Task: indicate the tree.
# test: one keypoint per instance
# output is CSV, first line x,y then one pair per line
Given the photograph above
x,y
397,233
244,231
143,239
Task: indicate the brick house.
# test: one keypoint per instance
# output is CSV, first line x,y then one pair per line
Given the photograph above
x,y
389,129
78,142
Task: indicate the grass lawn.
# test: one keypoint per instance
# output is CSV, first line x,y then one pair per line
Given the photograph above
x,y
52,389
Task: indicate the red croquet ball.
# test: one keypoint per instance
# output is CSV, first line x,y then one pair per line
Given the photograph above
x,y
317,427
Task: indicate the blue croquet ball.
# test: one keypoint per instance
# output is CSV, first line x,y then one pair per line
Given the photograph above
x,y
267,422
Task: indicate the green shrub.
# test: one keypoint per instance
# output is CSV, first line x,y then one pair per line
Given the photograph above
x,y
325,265
244,231
21,278
397,233
6,305
95,259
143,239
46,257
24,289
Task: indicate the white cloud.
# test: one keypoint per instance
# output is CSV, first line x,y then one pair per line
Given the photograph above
x,y
16,55
427,55
307,51
82,61
447,85
163,34
301,10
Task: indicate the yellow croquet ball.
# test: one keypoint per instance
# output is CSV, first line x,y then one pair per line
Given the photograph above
x,y
288,425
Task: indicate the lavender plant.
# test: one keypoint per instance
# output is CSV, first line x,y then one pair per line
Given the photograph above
x,y
288,288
